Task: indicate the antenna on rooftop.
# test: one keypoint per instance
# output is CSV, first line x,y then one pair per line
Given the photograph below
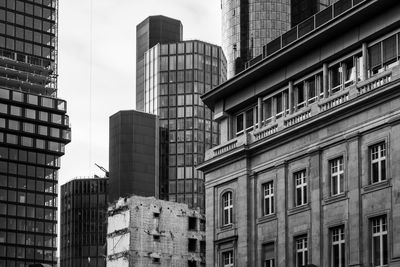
x,y
107,173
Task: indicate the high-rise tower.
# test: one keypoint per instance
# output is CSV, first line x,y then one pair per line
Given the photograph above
x,y
175,76
151,31
248,25
83,222
34,129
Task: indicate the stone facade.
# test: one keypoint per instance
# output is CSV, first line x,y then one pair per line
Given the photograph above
x,y
151,232
306,172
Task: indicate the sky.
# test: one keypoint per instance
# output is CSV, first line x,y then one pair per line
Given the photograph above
x,y
96,66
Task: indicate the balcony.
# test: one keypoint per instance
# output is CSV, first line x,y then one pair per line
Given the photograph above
x,y
275,125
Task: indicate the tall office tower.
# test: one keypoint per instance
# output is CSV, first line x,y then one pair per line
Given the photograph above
x,y
137,156
34,129
151,31
176,75
248,25
83,222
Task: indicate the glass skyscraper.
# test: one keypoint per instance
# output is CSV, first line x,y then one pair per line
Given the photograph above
x,y
248,25
83,222
34,129
151,31
176,75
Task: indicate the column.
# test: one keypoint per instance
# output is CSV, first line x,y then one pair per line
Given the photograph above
x,y
325,77
259,110
290,97
364,70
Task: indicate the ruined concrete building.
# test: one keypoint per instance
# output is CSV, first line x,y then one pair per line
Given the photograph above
x,y
144,231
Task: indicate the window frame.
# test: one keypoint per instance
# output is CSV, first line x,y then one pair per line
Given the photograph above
x,y
340,174
341,241
243,115
379,161
268,198
268,262
303,250
227,205
383,231
303,187
231,258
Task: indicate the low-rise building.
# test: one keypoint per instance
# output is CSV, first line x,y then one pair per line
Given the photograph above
x,y
144,231
307,170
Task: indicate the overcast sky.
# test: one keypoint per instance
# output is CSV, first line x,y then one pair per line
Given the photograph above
x,y
113,66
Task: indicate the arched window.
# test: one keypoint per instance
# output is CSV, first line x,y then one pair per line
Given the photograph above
x,y
227,208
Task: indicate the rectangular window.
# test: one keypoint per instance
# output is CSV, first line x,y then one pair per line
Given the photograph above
x,y
227,259
249,119
227,202
268,256
301,251
239,123
338,256
300,188
379,241
336,78
268,198
336,176
378,163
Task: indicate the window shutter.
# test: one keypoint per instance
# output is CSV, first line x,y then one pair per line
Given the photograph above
x,y
375,55
389,49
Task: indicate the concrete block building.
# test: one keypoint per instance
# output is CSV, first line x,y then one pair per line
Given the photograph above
x,y
144,231
307,170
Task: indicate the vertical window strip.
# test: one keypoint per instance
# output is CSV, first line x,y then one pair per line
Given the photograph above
x,y
268,198
301,188
337,176
378,163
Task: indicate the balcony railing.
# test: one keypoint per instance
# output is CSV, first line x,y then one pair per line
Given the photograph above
x,y
274,125
305,27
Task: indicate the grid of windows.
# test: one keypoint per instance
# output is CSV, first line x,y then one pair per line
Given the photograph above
x,y
301,251
227,208
338,256
379,241
29,176
83,222
336,176
268,198
378,163
300,188
176,75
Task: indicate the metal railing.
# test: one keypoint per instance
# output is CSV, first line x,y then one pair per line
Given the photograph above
x,y
305,27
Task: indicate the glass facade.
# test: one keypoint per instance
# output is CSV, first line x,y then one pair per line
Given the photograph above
x,y
153,30
176,75
83,222
247,25
28,42
33,132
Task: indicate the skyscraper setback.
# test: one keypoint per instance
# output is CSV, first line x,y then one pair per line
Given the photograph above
x,y
34,129
151,31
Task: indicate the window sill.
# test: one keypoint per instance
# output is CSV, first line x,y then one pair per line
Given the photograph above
x,y
226,228
376,186
336,198
266,218
299,209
